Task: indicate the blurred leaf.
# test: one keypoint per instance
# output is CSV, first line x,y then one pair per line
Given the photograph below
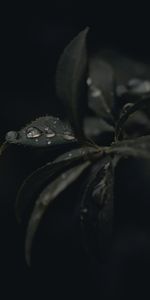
x,y
101,88
138,87
125,67
47,196
33,184
127,111
137,125
97,208
45,131
139,147
71,79
95,128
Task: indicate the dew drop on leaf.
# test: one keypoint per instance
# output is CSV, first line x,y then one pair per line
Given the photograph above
x,y
33,132
49,132
68,136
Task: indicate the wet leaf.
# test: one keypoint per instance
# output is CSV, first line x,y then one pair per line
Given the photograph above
x,y
47,196
71,79
139,147
101,88
45,131
33,184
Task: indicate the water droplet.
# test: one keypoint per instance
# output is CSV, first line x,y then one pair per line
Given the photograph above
x,y
33,132
49,132
70,154
68,136
49,142
36,140
11,136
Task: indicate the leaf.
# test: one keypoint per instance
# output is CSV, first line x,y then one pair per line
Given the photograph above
x,y
125,67
101,88
138,87
45,131
47,196
96,128
71,79
97,208
134,90
127,111
137,125
138,148
33,184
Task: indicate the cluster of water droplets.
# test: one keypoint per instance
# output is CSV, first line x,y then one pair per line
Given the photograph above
x,y
35,133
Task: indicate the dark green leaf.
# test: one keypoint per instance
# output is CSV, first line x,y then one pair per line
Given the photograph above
x,y
71,79
139,147
45,131
46,197
39,178
101,88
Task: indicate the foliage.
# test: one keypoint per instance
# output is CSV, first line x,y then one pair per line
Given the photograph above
x,y
102,100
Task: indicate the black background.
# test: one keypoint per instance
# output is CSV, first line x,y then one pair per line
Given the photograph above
x,y
32,39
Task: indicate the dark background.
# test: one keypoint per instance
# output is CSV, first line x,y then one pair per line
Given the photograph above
x,y
32,39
